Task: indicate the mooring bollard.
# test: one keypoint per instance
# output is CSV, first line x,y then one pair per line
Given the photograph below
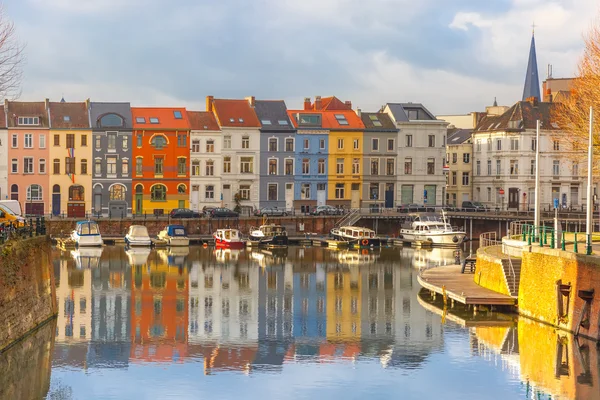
x,y
588,250
564,243
575,244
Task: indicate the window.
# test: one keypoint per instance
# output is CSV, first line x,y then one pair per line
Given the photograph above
x,y
28,141
245,192
272,144
322,144
454,174
532,168
375,144
489,167
289,144
265,121
158,193
339,169
14,166
182,141
431,140
306,144
76,193
116,193
97,167
111,120
466,158
454,158
341,119
226,142
355,166
209,192
124,167
195,167
409,142
245,142
83,166
555,167
158,166
408,166
273,166
29,121
34,193
227,165
305,166
374,166
489,194
210,146
339,191
321,166
111,165
69,165
430,166
514,144
138,166
478,145
356,144
556,145
272,191
181,188
154,120
158,142
390,167
139,139
514,167
28,165
84,140
499,144
246,165
340,144
195,146
177,114
575,169
498,167
375,120
182,168
15,141
289,166
391,145
478,168
140,120
305,191
374,191
309,119
489,145
112,141
42,166
70,141
533,144
125,142
465,179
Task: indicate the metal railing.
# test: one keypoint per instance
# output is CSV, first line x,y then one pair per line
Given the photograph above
x,y
14,231
546,236
488,239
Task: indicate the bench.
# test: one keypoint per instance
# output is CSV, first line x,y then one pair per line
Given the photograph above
x,y
468,263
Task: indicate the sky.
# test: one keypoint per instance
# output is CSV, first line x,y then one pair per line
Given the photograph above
x,y
454,56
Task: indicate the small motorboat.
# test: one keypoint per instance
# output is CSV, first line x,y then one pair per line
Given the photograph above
x,y
228,239
87,233
138,236
270,235
174,235
356,236
430,229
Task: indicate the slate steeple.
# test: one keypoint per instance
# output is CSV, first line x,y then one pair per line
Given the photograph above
x,y
532,80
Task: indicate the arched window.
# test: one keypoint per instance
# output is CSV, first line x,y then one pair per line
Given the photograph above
x,y
158,193
76,193
139,189
56,189
111,120
181,189
158,142
34,193
117,192
14,192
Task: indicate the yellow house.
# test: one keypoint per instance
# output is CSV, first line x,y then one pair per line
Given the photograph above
x,y
70,158
343,305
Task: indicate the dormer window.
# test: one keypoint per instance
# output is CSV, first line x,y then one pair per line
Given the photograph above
x,y
282,122
341,119
114,120
177,114
153,120
67,118
140,120
29,120
309,119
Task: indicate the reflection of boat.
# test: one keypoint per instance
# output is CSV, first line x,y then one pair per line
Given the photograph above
x,y
87,233
269,235
430,228
174,235
138,255
226,255
138,236
177,256
88,257
434,257
228,238
357,257
356,236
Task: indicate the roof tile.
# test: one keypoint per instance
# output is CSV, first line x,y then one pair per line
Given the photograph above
x,y
166,118
203,121
235,113
69,115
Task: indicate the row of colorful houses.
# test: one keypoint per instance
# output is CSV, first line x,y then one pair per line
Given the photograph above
x,y
73,158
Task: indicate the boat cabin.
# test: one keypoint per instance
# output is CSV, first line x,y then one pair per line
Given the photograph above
x,y
87,228
356,232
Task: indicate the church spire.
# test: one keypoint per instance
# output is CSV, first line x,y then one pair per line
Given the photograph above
x,y
532,80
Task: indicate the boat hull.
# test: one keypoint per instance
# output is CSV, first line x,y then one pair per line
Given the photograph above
x,y
359,243
137,241
442,239
88,241
277,240
178,241
228,244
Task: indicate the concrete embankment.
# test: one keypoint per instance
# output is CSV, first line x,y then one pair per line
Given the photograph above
x,y
27,288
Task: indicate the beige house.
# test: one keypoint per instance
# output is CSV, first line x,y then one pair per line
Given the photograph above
x,y
459,156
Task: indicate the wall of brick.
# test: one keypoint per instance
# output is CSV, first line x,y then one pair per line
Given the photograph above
x,y
27,290
541,269
489,273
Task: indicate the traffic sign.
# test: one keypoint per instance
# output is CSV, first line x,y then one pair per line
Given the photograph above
x,y
555,203
501,192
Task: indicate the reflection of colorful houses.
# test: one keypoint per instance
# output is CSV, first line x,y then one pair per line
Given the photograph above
x,y
70,156
310,306
161,150
343,305
377,316
159,313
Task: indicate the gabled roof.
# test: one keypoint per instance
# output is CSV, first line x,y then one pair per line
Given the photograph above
x,y
522,115
378,122
235,113
331,103
26,109
328,120
458,136
405,112
69,115
273,115
98,110
159,118
203,121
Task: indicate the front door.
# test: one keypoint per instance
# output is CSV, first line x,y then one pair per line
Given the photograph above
x,y
513,198
389,195
406,194
355,199
97,203
138,203
55,203
34,208
289,196
117,209
195,197
321,194
181,204
76,210
226,196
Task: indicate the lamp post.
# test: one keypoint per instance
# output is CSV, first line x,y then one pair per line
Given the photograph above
x,y
589,213
536,204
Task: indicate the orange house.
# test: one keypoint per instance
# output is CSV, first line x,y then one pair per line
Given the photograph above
x,y
161,154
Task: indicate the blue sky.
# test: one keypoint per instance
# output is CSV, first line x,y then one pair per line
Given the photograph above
x,y
454,56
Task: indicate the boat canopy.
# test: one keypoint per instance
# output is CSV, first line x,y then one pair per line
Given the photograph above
x,y
87,228
138,231
176,230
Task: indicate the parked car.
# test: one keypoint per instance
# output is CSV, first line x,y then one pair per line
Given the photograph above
x,y
270,212
473,206
408,208
184,213
326,210
222,212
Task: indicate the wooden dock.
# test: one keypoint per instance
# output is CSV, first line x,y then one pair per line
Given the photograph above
x,y
461,287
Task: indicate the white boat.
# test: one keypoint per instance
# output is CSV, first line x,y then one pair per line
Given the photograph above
x,y
87,233
87,257
138,236
357,257
228,239
269,235
432,229
356,236
174,235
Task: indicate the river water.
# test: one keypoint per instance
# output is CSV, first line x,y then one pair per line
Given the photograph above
x,y
306,323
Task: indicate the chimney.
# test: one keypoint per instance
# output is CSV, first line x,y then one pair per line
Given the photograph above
x,y
533,101
209,103
318,104
359,112
87,103
307,103
349,104
47,103
251,101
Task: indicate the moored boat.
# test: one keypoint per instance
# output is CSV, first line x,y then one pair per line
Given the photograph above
x,y
430,228
271,235
137,235
87,233
356,236
174,235
228,239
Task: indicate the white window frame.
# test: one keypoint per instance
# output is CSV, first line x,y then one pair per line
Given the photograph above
x,y
276,191
28,169
14,166
42,141
28,141
14,144
42,165
375,143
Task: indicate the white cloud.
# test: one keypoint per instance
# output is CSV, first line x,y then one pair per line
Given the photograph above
x,y
84,6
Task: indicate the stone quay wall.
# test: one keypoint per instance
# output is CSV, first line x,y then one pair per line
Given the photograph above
x,y
489,273
27,288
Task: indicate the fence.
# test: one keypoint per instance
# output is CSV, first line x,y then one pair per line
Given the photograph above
x,y
31,227
548,236
488,239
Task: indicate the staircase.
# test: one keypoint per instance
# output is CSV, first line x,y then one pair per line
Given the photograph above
x,y
349,219
512,275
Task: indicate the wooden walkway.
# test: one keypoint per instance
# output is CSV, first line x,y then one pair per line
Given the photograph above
x,y
461,287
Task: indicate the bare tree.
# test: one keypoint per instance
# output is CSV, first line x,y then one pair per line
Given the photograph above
x,y
11,58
